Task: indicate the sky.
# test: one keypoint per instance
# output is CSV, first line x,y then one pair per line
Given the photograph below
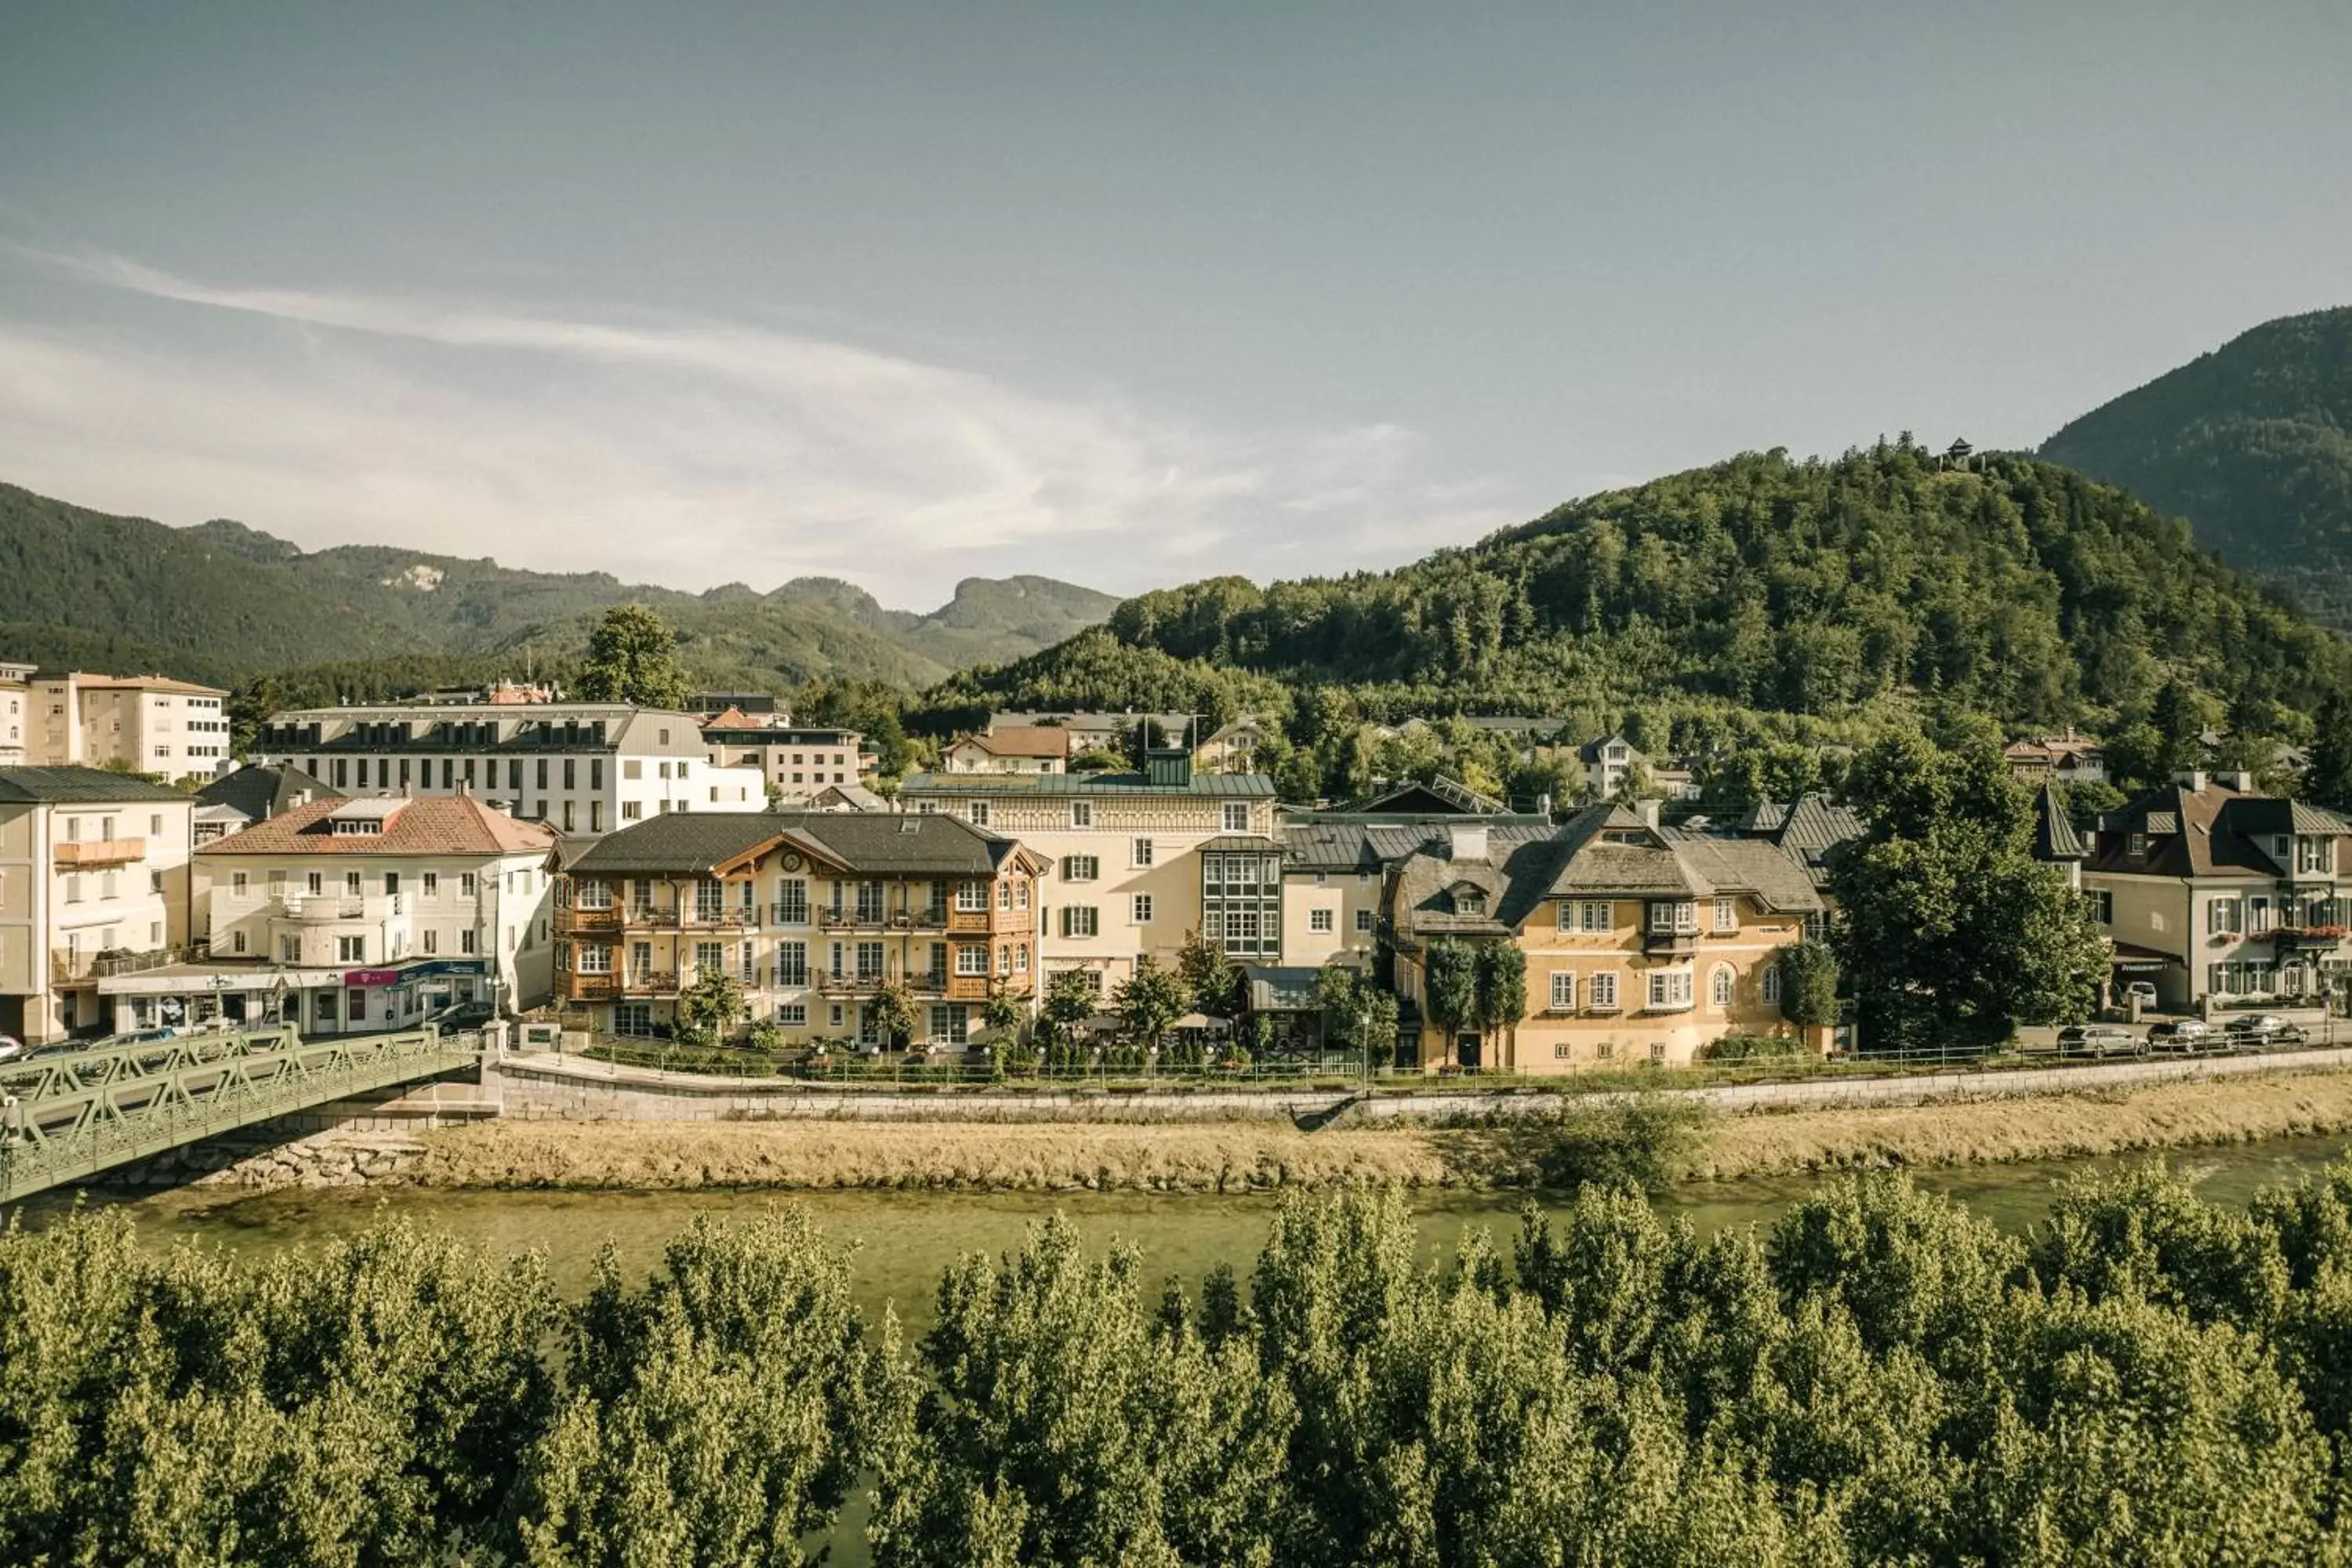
x,y
1124,294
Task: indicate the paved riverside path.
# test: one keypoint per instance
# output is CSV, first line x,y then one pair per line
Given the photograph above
x,y
569,1088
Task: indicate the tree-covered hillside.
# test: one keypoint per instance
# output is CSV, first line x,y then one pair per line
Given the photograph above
x,y
225,602
2252,443
1817,589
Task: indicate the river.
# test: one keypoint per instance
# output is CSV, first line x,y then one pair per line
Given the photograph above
x,y
906,1238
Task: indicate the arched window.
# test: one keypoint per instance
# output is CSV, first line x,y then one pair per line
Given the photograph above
x,y
1719,985
1772,984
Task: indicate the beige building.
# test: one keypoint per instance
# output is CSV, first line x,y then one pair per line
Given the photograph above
x,y
16,714
94,880
147,723
579,767
798,764
1039,748
2218,896
352,916
1640,945
812,913
1137,862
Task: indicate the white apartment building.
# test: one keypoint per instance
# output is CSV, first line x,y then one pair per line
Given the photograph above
x,y
352,916
94,879
16,711
579,767
1137,862
149,723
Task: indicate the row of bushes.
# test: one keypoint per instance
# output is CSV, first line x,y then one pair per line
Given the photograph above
x,y
1879,1378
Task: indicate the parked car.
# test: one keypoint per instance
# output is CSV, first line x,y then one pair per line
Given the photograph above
x,y
2142,992
2265,1029
2185,1035
12,1049
465,1016
2099,1040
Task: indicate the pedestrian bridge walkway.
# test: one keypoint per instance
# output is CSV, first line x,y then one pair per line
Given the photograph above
x,y
65,1116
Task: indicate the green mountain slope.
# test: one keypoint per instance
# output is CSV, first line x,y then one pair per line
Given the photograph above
x,y
224,602
2252,443
1813,588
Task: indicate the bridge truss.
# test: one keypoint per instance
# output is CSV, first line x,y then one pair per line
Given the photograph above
x,y
69,1115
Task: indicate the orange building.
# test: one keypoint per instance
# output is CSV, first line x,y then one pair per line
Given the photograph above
x,y
1641,944
811,912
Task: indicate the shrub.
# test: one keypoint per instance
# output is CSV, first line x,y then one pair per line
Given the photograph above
x,y
1644,1140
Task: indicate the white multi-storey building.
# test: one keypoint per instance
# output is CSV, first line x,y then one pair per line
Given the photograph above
x,y
148,724
345,916
579,767
93,880
16,707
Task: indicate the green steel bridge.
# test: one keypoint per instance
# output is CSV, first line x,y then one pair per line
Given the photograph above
x,y
68,1115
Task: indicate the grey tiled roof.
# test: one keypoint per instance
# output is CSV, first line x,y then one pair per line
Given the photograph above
x,y
66,785
2054,837
260,789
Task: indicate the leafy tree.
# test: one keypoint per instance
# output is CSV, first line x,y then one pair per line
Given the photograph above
x,y
712,1005
1148,1002
892,1009
1502,968
633,657
1808,983
1070,1001
1357,1012
1450,983
720,1411
2328,778
1004,1012
1951,931
1211,984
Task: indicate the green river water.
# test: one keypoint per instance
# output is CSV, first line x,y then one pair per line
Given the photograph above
x,y
906,1238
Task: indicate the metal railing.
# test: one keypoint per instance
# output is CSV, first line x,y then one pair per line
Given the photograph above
x,y
66,1115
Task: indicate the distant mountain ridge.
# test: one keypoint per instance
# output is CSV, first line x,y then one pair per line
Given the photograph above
x,y
224,602
2252,443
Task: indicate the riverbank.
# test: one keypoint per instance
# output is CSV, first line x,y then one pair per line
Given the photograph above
x,y
1258,1156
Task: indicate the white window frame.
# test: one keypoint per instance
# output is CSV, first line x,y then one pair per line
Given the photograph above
x,y
1601,990
1722,986
1236,817
1726,916
1141,908
1082,814
1563,989
1321,922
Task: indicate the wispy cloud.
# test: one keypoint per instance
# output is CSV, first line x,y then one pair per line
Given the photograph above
x,y
683,451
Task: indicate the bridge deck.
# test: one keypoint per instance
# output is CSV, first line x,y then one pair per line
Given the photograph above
x,y
67,1116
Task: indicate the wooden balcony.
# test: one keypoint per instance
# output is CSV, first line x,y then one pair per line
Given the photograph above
x,y
575,921
101,852
650,983
1670,944
589,987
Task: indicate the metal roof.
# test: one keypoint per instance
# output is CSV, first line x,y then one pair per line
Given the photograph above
x,y
1228,786
900,842
66,785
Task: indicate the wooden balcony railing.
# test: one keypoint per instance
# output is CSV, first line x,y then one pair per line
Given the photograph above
x,y
101,852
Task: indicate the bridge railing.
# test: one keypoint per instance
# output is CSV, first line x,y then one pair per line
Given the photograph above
x,y
69,1114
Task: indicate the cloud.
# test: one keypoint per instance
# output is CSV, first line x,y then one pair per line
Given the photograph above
x,y
682,451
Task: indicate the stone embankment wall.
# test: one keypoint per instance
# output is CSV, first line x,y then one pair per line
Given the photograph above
x,y
344,1144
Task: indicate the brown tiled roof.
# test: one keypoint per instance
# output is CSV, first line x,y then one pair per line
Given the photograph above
x,y
733,718
434,825
1025,741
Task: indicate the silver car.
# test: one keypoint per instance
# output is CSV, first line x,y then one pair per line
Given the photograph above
x,y
2099,1040
2184,1034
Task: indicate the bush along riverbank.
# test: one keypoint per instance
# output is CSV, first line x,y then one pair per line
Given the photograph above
x,y
1644,1137
1879,1377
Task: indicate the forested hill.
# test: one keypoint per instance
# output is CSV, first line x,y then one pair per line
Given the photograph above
x,y
1812,587
223,602
2252,443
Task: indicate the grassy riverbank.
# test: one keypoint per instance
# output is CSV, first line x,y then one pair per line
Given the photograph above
x,y
1247,1156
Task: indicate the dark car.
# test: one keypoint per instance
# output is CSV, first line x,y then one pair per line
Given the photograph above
x,y
2099,1040
465,1015
2265,1029
2185,1035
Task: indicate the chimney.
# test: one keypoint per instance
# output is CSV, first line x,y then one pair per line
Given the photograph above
x,y
1647,810
2190,779
1465,842
2240,780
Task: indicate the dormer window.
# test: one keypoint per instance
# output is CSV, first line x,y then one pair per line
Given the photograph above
x,y
1469,901
2136,844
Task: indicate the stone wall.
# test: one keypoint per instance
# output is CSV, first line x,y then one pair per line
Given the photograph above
x,y
344,1144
